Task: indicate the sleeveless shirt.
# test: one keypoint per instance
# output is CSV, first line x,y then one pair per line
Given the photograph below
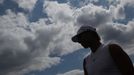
x,y
101,63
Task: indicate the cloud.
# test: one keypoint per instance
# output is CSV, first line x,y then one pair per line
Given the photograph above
x,y
86,2
62,17
73,72
7,21
26,49
119,33
123,10
93,15
13,53
1,1
129,2
132,58
26,4
99,17
118,12
34,46
103,20
58,12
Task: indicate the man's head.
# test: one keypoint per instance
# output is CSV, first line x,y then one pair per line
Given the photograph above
x,y
86,36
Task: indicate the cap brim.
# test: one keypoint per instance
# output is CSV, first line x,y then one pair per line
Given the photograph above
x,y
75,38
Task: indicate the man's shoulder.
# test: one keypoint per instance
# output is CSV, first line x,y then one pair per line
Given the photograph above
x,y
87,56
115,47
112,44
116,51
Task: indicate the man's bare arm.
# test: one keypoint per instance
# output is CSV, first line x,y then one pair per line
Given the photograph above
x,y
84,68
122,60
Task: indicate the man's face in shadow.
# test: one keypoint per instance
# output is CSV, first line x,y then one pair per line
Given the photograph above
x,y
86,39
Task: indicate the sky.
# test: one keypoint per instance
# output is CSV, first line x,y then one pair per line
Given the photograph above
x,y
35,35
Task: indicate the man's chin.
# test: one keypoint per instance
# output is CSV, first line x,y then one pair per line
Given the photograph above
x,y
85,46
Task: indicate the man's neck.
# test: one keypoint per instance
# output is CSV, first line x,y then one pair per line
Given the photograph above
x,y
95,47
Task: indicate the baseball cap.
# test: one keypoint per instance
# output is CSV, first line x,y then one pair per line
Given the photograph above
x,y
81,30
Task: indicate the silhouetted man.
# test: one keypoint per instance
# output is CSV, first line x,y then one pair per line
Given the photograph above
x,y
105,59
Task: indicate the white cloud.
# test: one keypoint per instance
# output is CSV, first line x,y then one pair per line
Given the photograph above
x,y
58,12
97,16
27,50
26,4
123,34
103,19
73,72
118,12
61,15
12,22
85,2
1,1
93,15
38,64
33,43
125,2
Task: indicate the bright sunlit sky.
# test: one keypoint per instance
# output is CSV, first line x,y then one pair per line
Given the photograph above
x,y
35,35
